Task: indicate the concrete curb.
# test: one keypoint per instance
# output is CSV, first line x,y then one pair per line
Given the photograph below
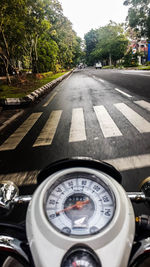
x,y
28,99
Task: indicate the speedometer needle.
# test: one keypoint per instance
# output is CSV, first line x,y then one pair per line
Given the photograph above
x,y
79,205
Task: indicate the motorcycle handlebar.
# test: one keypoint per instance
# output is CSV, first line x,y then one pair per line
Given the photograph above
x,y
137,197
133,196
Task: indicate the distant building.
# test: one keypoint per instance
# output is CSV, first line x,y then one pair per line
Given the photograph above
x,y
140,46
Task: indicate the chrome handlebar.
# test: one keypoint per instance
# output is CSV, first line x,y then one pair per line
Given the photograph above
x,y
137,197
9,194
133,196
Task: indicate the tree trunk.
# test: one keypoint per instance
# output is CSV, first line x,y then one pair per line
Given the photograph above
x,y
7,74
5,56
34,56
6,64
110,62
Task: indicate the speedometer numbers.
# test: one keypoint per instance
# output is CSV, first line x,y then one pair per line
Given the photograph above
x,y
80,204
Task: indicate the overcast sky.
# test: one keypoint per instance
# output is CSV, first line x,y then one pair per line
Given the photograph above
x,y
88,14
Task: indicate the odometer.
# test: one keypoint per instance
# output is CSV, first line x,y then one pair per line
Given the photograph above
x,y
79,204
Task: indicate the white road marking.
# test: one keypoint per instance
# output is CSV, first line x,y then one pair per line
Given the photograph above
x,y
143,104
130,163
15,116
122,92
142,125
98,79
136,72
108,127
47,134
50,99
122,164
145,75
14,139
101,80
68,77
77,130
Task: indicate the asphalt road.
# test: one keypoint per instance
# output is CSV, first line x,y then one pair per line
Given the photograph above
x,y
104,114
135,81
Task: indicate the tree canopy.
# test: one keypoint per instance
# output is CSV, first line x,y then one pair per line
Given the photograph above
x,y
37,34
139,16
107,43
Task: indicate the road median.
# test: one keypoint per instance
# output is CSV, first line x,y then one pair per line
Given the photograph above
x,y
34,95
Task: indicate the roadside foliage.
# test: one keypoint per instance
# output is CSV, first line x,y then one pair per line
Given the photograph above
x,y
139,17
107,44
37,36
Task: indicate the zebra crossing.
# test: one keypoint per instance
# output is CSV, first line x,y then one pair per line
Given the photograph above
x,y
143,104
142,125
47,134
19,134
78,131
107,125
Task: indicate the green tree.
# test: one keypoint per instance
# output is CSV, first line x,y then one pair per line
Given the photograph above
x,y
20,26
47,53
12,28
110,43
35,25
66,39
78,52
91,41
36,32
139,16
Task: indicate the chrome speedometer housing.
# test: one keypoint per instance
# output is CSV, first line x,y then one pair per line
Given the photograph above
x,y
79,203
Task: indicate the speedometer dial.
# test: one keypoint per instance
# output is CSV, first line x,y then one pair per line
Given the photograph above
x,y
79,204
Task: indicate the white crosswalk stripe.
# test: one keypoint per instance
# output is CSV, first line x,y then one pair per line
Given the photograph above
x,y
47,134
107,125
19,134
143,104
21,178
142,125
130,163
77,130
121,164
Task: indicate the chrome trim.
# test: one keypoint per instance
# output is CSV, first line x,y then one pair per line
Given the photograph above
x,y
23,199
144,248
12,244
8,192
145,181
137,196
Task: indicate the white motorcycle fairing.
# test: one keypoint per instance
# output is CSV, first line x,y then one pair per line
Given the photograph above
x,y
112,244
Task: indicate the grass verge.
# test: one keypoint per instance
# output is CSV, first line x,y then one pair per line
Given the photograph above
x,y
26,84
144,68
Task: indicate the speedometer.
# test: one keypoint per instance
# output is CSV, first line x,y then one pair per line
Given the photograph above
x,y
79,204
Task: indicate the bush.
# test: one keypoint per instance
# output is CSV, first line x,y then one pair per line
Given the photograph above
x,y
108,67
130,59
144,67
47,74
147,63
